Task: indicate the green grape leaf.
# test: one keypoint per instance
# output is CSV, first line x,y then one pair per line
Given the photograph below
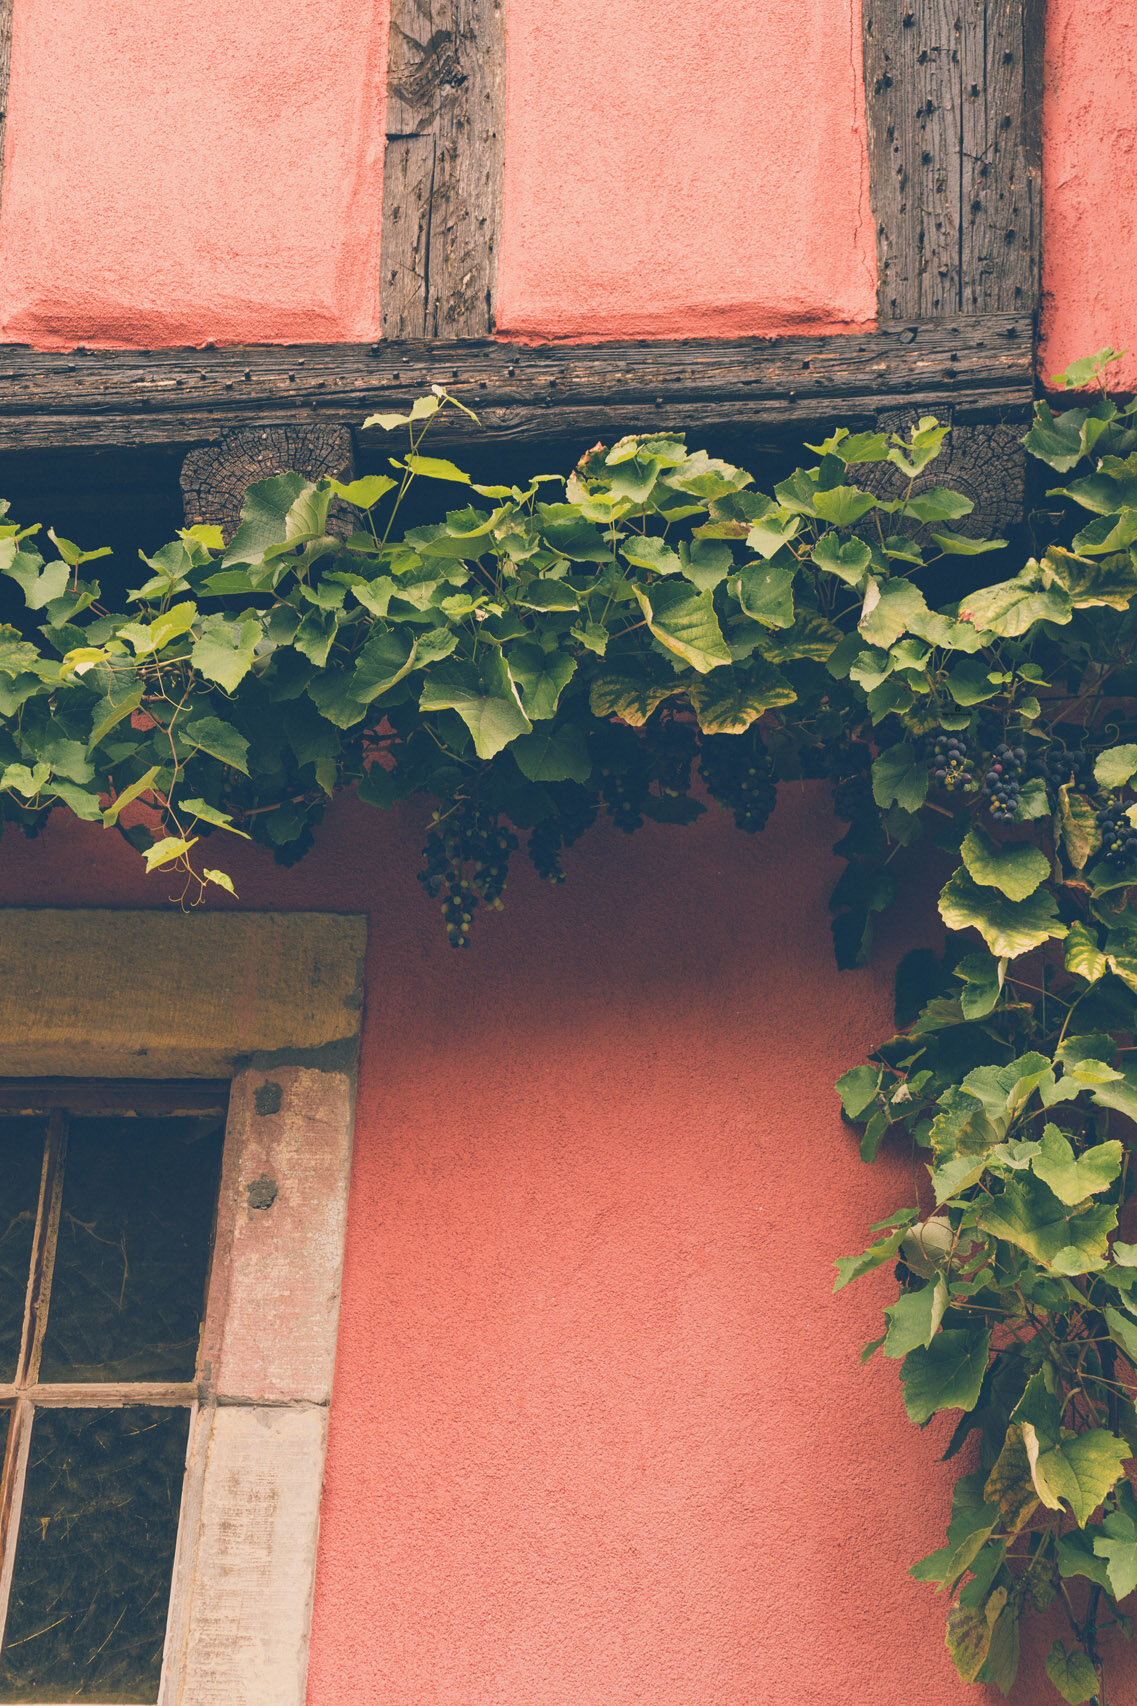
x,y
166,850
843,506
765,592
945,1375
1073,1181
983,976
651,552
1077,819
1009,928
365,492
899,776
849,561
1116,766
938,503
485,698
850,1268
915,1318
220,740
224,651
969,1634
1072,1674
629,697
771,532
857,1089
1083,956
1117,1544
1011,607
559,755
1080,1468
684,622
1016,869
1010,1486
1068,1239
728,703
264,518
541,678
891,612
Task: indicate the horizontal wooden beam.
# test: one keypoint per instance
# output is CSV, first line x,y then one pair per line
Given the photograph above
x,y
978,366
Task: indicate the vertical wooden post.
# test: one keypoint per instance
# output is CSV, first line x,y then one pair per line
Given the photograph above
x,y
953,94
5,71
443,173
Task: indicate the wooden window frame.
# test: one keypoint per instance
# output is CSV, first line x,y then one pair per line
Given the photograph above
x,y
27,1393
271,1003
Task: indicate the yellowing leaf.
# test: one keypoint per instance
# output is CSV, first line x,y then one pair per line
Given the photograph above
x,y
164,852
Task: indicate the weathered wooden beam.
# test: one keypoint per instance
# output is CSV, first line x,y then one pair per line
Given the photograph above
x,y
953,93
443,172
5,71
978,365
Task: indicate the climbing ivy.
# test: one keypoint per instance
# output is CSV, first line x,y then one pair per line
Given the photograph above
x,y
550,652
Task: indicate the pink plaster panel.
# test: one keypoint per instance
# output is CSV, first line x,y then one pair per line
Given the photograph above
x,y
598,1432
1089,249
680,170
185,171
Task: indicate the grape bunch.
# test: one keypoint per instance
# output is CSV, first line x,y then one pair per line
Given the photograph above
x,y
619,758
1118,835
575,813
739,774
851,780
951,766
673,748
1003,781
1061,767
465,861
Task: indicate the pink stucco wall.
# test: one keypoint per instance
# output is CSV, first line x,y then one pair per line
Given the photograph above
x,y
180,171
1089,255
599,1436
679,170
190,171
194,172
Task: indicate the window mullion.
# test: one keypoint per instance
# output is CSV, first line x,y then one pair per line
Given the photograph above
x,y
12,1480
43,1250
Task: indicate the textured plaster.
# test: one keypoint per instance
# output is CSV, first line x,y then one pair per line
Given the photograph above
x,y
598,1432
1089,251
679,170
185,171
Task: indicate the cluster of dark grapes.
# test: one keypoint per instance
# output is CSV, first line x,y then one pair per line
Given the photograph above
x,y
851,780
739,774
952,768
575,813
1003,781
674,745
624,779
1061,767
465,861
1118,835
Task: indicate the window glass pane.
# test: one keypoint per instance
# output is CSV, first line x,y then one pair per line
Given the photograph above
x,y
94,1556
133,1253
21,1160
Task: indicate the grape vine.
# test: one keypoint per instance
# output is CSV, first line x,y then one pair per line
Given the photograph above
x,y
655,631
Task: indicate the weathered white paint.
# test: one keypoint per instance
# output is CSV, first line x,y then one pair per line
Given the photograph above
x,y
241,1633
88,993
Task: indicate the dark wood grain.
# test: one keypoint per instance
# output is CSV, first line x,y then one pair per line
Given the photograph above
x,y
215,478
952,93
978,364
443,172
5,71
